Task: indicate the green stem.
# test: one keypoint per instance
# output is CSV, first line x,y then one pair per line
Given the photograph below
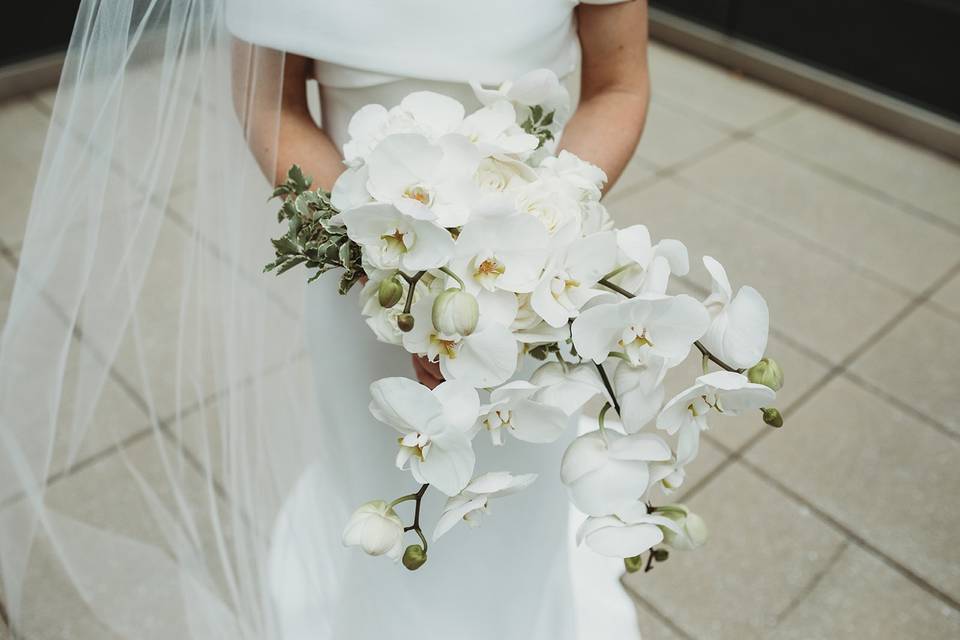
x,y
418,496
609,387
616,272
602,417
450,273
609,285
411,288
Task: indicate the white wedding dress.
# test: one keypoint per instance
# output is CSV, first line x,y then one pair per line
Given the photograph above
x,y
517,576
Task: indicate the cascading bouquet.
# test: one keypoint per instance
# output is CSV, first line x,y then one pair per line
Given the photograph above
x,y
476,246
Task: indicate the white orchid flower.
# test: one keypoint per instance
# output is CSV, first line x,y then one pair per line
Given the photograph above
x,y
569,279
423,112
724,392
530,329
389,239
472,503
568,387
629,533
425,180
648,266
350,189
513,408
494,130
437,428
435,114
640,391
376,528
538,87
606,472
647,325
740,324
485,358
504,252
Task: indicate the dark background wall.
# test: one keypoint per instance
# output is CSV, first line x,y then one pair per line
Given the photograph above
x,y
906,48
34,28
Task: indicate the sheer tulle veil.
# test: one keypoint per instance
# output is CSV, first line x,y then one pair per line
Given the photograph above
x,y
144,346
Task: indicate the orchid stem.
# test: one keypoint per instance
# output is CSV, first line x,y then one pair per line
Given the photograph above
x,y
609,285
608,387
450,273
418,496
602,417
411,288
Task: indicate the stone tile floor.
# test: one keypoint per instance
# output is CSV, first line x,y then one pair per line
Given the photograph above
x,y
844,523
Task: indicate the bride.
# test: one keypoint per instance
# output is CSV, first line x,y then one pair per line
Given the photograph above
x,y
258,454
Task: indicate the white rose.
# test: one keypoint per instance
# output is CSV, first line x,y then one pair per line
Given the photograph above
x,y
498,175
551,201
587,178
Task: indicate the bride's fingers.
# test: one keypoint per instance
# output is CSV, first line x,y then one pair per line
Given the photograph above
x,y
427,372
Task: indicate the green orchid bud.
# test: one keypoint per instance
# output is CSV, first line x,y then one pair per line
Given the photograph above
x,y
414,557
661,555
455,312
634,564
693,530
768,373
772,417
405,322
390,292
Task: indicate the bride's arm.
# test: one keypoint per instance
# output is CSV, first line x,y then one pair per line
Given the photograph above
x,y
615,85
279,128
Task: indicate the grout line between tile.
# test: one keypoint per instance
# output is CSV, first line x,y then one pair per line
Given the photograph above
x,y
811,586
844,365
739,455
664,171
862,187
853,536
646,605
747,211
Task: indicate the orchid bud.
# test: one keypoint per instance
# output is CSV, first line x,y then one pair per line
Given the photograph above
x,y
374,527
455,312
634,564
768,373
414,557
772,417
693,530
405,322
389,292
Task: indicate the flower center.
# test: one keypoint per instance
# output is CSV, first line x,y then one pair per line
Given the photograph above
x,y
419,193
487,272
395,242
416,445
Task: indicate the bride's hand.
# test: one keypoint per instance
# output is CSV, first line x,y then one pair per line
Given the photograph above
x,y
428,373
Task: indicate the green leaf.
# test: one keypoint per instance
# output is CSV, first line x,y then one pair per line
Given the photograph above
x,y
290,264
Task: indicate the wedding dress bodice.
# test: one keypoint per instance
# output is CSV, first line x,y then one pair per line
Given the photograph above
x,y
416,38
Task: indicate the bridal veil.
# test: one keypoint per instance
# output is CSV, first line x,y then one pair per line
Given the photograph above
x,y
139,286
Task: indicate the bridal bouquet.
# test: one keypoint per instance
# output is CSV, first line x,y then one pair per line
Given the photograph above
x,y
476,246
